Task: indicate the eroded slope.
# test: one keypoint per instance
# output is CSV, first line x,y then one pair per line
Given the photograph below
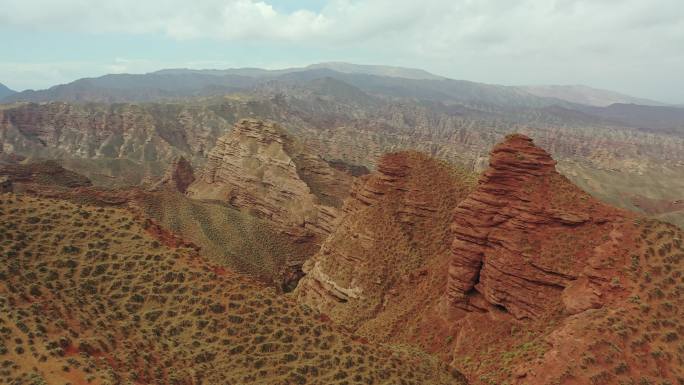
x,y
384,264
88,296
540,284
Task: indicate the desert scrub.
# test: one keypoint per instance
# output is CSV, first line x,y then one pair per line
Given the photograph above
x,y
74,300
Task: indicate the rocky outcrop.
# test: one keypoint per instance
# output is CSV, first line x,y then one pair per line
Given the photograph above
x,y
177,177
258,168
526,236
386,260
5,184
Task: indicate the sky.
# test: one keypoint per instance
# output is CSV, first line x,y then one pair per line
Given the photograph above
x,y
630,46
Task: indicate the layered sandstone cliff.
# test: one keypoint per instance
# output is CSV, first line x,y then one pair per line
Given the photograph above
x,y
131,144
526,236
385,263
258,168
525,279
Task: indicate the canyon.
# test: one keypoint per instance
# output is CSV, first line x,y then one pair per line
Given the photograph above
x,y
133,144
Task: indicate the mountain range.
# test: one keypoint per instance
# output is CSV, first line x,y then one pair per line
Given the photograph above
x,y
5,91
339,224
354,114
587,95
384,80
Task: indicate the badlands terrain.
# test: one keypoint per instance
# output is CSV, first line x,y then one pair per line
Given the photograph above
x,y
127,129
339,224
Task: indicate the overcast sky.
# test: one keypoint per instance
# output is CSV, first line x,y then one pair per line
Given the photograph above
x,y
632,46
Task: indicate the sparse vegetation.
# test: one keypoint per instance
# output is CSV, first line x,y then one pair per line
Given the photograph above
x,y
92,303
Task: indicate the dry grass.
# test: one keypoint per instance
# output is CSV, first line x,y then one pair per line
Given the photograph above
x,y
230,238
88,297
394,250
641,342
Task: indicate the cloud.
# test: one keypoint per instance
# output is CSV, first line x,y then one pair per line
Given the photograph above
x,y
239,19
504,26
222,19
630,45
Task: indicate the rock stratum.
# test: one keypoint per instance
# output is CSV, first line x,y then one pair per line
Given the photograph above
x,y
258,168
383,265
535,281
506,247
178,177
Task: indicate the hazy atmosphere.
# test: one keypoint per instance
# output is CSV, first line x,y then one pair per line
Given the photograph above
x,y
630,46
342,192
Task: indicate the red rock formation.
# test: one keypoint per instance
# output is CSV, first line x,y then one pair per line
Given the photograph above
x,y
385,263
507,247
178,176
165,236
5,184
541,284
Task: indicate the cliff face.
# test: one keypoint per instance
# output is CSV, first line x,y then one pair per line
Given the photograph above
x,y
385,263
523,279
550,278
178,177
526,236
260,169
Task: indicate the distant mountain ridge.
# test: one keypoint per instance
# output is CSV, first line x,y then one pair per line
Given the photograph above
x,y
136,87
650,118
387,81
582,94
365,86
5,91
185,83
342,67
378,70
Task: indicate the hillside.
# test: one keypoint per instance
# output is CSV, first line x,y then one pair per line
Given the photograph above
x,y
46,172
180,84
88,296
226,236
393,236
586,95
541,282
5,91
116,144
231,238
